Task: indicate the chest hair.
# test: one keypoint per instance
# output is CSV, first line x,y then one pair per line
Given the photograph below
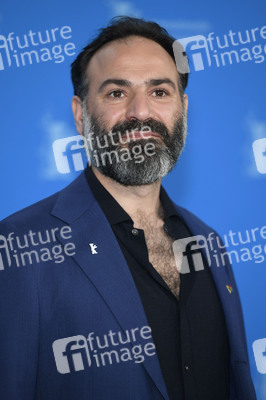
x,y
160,251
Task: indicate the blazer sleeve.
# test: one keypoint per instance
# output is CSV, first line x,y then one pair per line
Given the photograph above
x,y
19,324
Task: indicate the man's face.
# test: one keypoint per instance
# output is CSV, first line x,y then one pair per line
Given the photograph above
x,y
133,83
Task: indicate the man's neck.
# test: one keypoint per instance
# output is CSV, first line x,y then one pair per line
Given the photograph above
x,y
135,200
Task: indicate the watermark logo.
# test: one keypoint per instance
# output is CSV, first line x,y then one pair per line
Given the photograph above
x,y
69,154
191,250
71,354
220,50
197,47
35,47
259,350
77,353
35,247
259,150
233,247
73,153
4,46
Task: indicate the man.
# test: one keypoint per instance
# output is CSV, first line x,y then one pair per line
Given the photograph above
x,y
106,289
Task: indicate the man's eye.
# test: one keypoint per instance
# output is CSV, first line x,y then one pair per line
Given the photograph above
x,y
160,93
116,94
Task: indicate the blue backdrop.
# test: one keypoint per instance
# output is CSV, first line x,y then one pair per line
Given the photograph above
x,y
38,42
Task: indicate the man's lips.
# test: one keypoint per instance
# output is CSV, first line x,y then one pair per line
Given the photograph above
x,y
142,135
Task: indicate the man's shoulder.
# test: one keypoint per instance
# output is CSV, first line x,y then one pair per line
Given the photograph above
x,y
37,214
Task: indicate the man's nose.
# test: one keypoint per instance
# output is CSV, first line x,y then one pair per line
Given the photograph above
x,y
139,108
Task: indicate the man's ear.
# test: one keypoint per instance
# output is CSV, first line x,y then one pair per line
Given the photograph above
x,y
77,112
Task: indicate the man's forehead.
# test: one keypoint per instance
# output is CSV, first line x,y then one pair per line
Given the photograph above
x,y
132,53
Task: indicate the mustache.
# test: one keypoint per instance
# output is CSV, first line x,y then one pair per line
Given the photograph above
x,y
136,125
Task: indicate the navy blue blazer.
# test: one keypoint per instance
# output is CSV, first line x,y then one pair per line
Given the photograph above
x,y
66,296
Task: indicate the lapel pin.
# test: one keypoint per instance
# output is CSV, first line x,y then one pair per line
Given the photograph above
x,y
93,248
229,288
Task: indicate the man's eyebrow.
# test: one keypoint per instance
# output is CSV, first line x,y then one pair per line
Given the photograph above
x,y
157,82
118,82
126,83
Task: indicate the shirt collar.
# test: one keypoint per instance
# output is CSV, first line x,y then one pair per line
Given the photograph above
x,y
112,209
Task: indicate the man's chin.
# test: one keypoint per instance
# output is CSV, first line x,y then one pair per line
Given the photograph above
x,y
131,173
129,180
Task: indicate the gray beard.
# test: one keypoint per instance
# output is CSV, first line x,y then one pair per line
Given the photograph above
x,y
130,172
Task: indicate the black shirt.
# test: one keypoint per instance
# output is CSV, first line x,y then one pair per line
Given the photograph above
x,y
169,324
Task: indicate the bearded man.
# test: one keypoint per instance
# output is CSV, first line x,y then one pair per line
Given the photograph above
x,y
138,308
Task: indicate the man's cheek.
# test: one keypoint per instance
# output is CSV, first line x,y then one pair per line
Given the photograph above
x,y
109,118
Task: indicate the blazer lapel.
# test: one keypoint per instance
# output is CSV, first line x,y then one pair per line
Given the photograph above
x,y
106,269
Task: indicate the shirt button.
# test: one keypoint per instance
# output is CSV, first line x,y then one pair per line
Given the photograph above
x,y
135,232
186,367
